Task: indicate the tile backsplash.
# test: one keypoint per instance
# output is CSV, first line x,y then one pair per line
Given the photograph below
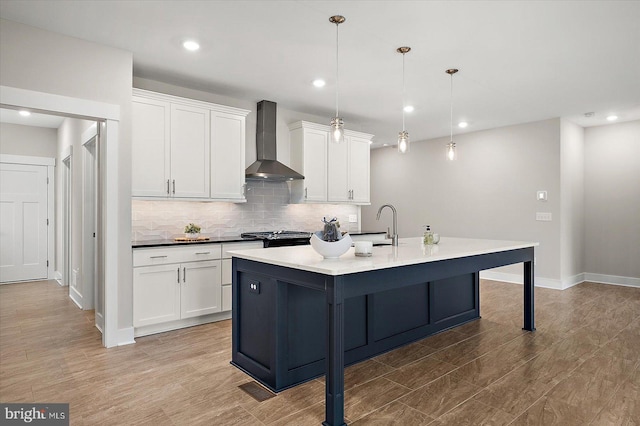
x,y
267,209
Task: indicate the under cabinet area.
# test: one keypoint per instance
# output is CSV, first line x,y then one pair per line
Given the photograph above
x,y
182,286
335,173
187,149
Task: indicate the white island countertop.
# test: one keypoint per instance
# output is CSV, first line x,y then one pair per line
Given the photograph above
x,y
409,251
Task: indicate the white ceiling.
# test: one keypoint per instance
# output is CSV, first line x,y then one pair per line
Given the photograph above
x,y
519,61
35,119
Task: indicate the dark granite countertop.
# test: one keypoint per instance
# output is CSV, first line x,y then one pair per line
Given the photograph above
x,y
171,242
213,240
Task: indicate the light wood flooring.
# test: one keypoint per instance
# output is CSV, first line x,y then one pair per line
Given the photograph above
x,y
581,367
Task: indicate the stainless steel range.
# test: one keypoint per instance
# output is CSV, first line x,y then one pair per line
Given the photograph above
x,y
280,238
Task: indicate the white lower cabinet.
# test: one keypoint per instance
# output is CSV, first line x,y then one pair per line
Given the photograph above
x,y
156,294
174,284
176,287
200,291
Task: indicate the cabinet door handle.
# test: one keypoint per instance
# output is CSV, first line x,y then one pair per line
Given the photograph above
x,y
352,194
174,187
157,257
204,252
178,275
167,186
184,274
305,193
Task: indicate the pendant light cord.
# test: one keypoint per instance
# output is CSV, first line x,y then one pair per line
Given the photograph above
x,y
451,101
337,79
403,92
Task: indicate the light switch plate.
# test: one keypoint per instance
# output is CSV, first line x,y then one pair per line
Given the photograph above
x,y
541,195
543,216
353,218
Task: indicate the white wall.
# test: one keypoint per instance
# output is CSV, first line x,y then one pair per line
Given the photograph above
x,y
489,192
16,139
43,61
572,203
612,199
69,135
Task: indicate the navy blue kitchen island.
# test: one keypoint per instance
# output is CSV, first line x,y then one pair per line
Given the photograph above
x,y
297,316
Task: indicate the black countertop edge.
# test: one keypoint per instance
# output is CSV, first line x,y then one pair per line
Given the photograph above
x,y
211,240
214,240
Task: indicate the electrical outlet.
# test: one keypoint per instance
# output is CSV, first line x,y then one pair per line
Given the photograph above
x,y
543,216
254,287
353,218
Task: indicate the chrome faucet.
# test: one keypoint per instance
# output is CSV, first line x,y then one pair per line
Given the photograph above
x,y
394,236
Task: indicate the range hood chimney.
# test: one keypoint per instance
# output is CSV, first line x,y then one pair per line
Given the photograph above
x,y
266,166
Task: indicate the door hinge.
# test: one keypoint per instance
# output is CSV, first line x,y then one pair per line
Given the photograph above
x,y
47,221
47,263
47,181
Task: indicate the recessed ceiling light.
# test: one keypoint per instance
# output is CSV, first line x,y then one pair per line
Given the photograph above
x,y
191,45
463,124
319,82
24,113
612,118
409,108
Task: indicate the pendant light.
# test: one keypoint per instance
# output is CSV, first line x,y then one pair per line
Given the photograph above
x,y
337,124
403,136
451,146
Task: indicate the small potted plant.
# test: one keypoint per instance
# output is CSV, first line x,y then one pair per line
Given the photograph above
x,y
192,231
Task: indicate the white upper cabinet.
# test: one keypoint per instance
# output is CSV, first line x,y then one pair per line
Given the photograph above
x,y
334,173
358,169
187,149
308,147
151,151
227,155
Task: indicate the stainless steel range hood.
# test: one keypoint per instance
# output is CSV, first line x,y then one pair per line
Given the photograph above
x,y
266,166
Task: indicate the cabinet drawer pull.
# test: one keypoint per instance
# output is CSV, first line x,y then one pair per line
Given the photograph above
x,y
178,275
184,275
167,186
174,187
157,257
204,252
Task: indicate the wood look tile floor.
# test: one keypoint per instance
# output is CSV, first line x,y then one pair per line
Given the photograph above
x,y
581,367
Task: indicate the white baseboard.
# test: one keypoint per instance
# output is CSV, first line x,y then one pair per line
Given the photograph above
x,y
125,336
566,283
518,279
571,281
75,296
612,279
57,275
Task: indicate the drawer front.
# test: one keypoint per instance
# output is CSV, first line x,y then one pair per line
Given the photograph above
x,y
240,245
166,255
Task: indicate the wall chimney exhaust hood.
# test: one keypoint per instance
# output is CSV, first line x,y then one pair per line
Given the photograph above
x,y
266,166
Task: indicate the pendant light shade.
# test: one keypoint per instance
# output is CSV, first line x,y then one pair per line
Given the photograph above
x,y
403,136
451,146
337,123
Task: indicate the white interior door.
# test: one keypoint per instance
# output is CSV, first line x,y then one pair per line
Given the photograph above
x,y
89,221
23,222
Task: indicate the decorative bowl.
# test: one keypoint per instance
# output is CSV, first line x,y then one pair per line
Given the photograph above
x,y
192,235
330,250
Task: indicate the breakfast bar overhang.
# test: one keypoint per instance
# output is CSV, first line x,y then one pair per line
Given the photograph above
x,y
297,316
